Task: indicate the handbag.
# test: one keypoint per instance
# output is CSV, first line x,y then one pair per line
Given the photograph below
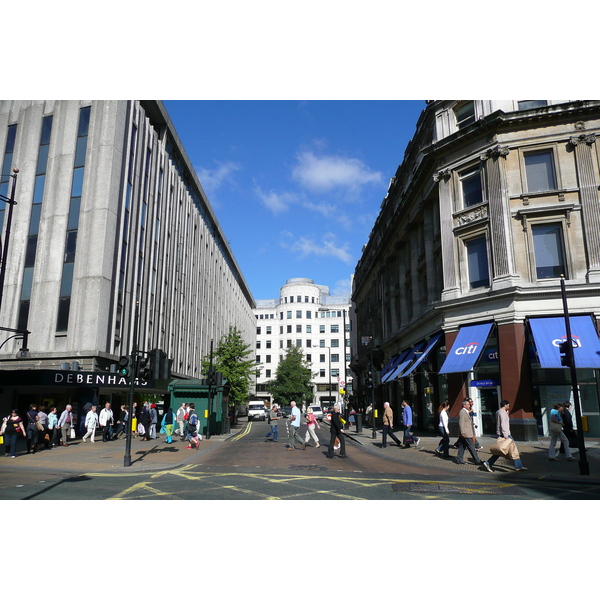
x,y
513,451
501,446
72,435
555,428
39,426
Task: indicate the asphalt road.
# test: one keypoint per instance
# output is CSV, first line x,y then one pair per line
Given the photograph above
x,y
245,467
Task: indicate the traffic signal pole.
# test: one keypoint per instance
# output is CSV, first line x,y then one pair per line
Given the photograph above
x,y
584,467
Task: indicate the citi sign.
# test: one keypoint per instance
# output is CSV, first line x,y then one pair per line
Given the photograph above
x,y
470,348
574,340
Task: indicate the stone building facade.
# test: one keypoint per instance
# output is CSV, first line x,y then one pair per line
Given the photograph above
x,y
459,284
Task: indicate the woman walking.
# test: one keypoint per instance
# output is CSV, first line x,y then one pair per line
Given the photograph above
x,y
32,428
311,421
444,445
168,424
91,422
556,431
10,428
53,426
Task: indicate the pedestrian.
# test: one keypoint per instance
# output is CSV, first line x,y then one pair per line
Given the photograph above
x,y
444,445
65,423
388,425
180,418
145,423
407,419
472,414
294,426
32,428
123,421
53,426
168,422
557,433
568,428
106,422
503,431
153,421
11,426
91,422
312,424
192,428
369,415
336,429
273,418
351,418
43,432
467,433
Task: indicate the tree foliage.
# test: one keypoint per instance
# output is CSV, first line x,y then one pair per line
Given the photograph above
x,y
292,379
230,358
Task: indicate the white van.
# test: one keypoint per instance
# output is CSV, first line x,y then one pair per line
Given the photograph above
x,y
257,410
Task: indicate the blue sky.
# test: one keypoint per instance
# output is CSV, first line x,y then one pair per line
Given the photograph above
x,y
296,185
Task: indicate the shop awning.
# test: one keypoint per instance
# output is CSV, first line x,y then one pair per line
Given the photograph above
x,y
467,348
391,365
408,356
428,347
549,332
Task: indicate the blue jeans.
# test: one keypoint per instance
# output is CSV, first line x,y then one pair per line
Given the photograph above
x,y
274,432
10,444
517,461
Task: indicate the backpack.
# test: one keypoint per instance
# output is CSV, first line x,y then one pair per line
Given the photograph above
x,y
193,420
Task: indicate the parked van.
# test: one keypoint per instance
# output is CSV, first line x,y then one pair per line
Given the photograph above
x,y
257,410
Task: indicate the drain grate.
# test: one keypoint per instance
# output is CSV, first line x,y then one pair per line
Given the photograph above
x,y
440,488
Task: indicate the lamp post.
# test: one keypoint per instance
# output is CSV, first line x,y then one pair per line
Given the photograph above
x,y
4,251
24,351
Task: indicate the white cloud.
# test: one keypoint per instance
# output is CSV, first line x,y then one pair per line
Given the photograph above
x,y
343,287
325,173
327,247
274,201
212,179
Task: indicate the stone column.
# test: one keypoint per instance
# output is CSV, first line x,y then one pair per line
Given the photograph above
x,y
451,289
590,206
499,217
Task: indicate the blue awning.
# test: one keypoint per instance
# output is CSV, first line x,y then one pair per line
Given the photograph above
x,y
549,332
467,348
391,365
396,360
430,344
408,357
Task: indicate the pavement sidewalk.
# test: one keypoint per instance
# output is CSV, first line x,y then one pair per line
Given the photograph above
x,y
153,455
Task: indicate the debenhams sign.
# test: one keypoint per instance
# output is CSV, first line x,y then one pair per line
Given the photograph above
x,y
36,377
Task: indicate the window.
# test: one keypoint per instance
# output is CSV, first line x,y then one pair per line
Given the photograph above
x,y
308,314
477,262
308,343
268,330
309,329
298,298
298,328
335,343
268,373
298,314
529,104
281,330
289,314
465,114
335,329
258,331
549,250
258,344
321,343
257,358
298,343
309,358
335,372
321,358
305,298
289,329
322,373
268,357
321,328
539,171
268,343
471,187
335,358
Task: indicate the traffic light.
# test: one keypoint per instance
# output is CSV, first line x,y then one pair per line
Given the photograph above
x,y
212,377
124,368
160,365
369,378
565,356
144,371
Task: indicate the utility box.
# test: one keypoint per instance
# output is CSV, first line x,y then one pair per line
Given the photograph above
x,y
196,391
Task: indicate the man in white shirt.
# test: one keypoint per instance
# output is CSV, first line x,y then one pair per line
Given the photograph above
x,y
294,426
106,422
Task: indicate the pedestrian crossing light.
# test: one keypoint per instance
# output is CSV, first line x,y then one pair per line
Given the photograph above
x,y
565,356
124,368
144,372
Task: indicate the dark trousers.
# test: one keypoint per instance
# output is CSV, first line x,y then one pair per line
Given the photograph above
x,y
106,433
32,436
465,443
444,445
387,430
340,436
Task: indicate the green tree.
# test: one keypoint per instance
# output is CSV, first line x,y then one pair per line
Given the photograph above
x,y
292,379
230,358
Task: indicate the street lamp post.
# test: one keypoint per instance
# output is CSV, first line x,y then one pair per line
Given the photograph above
x,y
4,251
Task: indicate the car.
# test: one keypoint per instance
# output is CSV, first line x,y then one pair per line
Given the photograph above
x,y
256,410
287,411
317,411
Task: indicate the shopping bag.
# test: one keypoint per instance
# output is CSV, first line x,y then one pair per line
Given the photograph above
x,y
513,451
1,439
72,433
501,446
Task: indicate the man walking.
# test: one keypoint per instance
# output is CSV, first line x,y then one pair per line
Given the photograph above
x,y
294,426
65,423
407,418
503,431
467,433
106,422
336,428
273,418
388,424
